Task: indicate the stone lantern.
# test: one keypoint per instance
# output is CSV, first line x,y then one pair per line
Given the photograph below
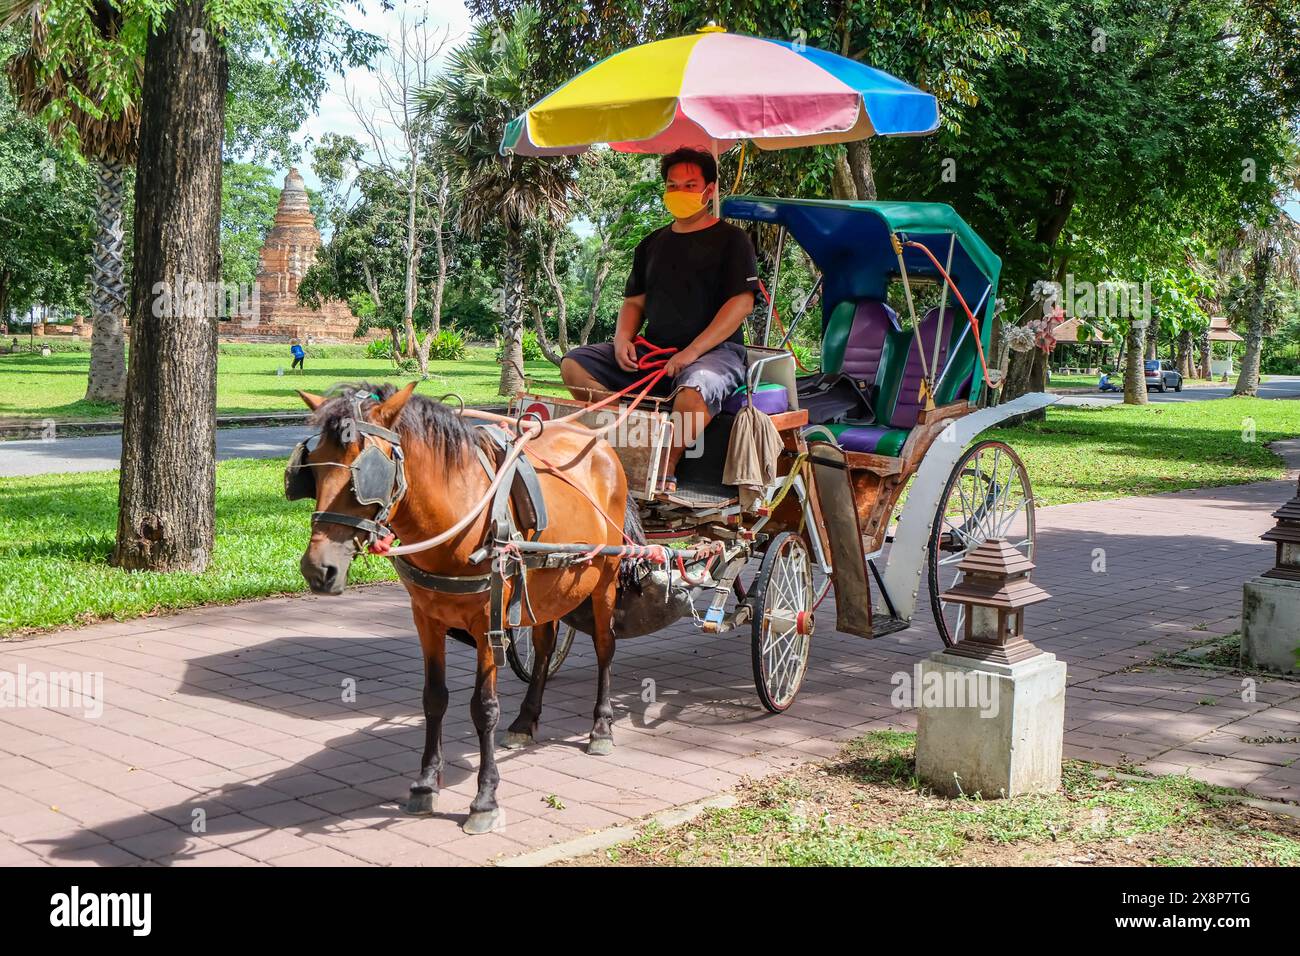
x,y
992,716
1270,606
1286,534
995,590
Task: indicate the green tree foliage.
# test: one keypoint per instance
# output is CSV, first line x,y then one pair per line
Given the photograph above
x,y
46,215
249,196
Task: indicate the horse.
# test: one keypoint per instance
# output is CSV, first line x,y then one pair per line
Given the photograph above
x,y
430,477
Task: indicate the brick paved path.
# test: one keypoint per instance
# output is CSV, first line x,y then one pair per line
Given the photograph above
x,y
234,715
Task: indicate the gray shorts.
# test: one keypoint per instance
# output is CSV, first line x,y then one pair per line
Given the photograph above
x,y
715,374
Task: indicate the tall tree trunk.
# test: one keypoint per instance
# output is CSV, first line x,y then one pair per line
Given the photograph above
x,y
603,266
440,249
548,348
1184,359
1135,382
167,488
1248,380
1206,352
107,381
512,319
411,285
561,305
842,185
864,178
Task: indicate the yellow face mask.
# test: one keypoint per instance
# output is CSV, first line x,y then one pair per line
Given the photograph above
x,y
682,204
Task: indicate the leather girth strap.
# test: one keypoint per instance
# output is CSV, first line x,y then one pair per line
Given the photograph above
x,y
518,513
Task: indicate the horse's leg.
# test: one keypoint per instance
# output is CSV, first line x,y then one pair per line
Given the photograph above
x,y
524,729
433,641
485,708
602,606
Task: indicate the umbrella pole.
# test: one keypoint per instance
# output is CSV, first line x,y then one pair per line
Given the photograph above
x,y
943,306
927,383
717,184
776,282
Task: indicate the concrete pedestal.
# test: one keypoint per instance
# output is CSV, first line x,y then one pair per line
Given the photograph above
x,y
997,727
1270,625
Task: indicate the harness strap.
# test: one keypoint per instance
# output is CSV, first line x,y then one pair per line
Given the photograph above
x,y
361,524
444,583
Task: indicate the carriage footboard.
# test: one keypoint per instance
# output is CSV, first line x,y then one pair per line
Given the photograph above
x,y
835,492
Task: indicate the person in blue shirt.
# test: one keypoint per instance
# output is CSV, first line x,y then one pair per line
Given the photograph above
x,y
298,354
1104,384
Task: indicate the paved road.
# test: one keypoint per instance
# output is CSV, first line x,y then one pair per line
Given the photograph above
x,y
1279,386
99,452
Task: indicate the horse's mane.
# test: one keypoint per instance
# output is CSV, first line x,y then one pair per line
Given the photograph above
x,y
422,419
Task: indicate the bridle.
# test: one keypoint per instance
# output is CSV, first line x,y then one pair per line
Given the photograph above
x,y
376,478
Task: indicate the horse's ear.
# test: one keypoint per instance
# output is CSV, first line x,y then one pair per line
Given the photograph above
x,y
313,401
389,409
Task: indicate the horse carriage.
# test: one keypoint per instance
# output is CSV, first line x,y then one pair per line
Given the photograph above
x,y
878,479
876,484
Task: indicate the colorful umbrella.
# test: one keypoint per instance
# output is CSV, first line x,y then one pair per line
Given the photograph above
x,y
713,89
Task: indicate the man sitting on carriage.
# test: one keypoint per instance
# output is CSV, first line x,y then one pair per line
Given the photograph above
x,y
692,285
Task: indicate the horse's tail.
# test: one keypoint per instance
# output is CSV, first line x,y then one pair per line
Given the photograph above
x,y
629,568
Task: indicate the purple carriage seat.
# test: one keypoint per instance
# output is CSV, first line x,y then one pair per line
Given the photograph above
x,y
907,405
770,398
863,339
888,437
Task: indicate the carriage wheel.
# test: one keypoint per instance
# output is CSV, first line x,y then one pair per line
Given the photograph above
x,y
987,496
782,598
520,652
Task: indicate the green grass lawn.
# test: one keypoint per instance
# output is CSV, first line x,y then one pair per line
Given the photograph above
x,y
56,532
251,379
867,808
1087,454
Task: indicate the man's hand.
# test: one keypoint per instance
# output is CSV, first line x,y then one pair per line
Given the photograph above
x,y
625,354
678,362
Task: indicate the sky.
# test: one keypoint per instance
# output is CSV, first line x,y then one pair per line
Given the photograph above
x,y
334,114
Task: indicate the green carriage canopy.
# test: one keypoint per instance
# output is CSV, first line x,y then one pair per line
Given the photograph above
x,y
849,240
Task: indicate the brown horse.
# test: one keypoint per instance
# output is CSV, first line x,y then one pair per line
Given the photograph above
x,y
444,479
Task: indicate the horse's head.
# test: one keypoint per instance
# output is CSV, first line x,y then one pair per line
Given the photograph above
x,y
353,468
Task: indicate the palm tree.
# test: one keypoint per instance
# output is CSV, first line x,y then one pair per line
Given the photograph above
x,y
1272,250
484,87
95,102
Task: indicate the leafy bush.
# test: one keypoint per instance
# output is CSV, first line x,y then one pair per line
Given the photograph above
x,y
532,348
806,356
380,349
448,345
1280,365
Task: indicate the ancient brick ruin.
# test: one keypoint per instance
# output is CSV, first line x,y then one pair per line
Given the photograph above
x,y
288,252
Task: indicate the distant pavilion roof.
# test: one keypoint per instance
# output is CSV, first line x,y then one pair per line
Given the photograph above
x,y
1221,332
1071,329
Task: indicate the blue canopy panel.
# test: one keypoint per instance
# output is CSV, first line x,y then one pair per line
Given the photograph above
x,y
850,243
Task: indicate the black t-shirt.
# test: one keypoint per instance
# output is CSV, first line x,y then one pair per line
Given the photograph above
x,y
687,276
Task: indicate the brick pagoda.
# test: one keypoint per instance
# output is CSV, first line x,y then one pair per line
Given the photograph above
x,y
288,252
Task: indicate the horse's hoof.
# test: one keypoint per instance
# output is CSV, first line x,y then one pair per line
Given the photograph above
x,y
421,802
516,741
482,821
600,746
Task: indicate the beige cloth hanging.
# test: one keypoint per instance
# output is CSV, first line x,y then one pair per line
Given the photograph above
x,y
752,455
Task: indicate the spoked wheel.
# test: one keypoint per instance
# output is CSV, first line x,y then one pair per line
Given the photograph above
x,y
520,652
782,598
987,496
